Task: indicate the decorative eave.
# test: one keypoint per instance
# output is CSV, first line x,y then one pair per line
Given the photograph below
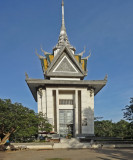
x,y
35,84
69,52
46,62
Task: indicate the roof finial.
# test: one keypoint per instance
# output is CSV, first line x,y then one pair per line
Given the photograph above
x,y
63,28
62,3
63,38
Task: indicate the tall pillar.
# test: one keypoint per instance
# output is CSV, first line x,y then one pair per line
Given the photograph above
x,y
57,107
44,110
41,99
50,114
87,98
91,116
76,112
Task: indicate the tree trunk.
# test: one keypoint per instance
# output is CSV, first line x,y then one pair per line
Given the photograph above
x,y
3,141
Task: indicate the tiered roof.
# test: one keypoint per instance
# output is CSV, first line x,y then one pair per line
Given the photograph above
x,y
63,67
63,45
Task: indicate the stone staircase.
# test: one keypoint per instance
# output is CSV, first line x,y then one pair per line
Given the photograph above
x,y
71,143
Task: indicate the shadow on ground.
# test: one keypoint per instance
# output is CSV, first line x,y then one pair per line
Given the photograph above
x,y
118,154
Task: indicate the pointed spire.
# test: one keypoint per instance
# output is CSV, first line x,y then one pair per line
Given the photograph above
x,y
63,38
63,28
63,19
62,3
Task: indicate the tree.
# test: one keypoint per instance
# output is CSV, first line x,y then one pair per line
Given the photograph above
x,y
128,111
104,128
97,118
17,120
121,129
130,130
43,124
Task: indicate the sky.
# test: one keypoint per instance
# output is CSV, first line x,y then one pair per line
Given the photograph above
x,y
104,26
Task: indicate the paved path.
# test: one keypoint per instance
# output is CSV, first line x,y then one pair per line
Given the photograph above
x,y
69,154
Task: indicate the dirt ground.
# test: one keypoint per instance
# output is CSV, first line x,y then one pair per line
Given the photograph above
x,y
69,154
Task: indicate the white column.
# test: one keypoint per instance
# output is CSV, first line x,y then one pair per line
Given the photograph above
x,y
41,100
87,111
57,107
44,101
91,117
76,112
50,114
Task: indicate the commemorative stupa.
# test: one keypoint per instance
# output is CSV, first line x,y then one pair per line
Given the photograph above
x,y
63,95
